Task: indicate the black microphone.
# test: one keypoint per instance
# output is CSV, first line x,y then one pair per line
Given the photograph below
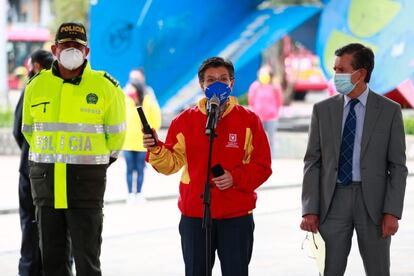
x,y
213,112
146,127
217,170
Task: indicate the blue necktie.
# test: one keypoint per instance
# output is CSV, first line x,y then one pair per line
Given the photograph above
x,y
347,146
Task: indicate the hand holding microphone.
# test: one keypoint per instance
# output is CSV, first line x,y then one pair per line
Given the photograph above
x,y
150,140
150,136
222,178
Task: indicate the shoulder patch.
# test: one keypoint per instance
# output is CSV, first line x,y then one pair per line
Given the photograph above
x,y
111,79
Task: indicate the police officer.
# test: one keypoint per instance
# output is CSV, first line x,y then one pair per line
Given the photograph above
x,y
29,262
74,122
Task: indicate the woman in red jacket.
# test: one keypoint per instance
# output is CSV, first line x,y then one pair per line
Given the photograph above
x,y
241,148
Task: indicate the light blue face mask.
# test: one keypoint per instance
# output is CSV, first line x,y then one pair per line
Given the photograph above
x,y
343,83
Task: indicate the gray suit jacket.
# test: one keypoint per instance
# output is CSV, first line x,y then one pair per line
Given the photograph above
x,y
383,169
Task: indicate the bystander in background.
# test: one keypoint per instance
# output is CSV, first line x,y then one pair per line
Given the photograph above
x,y
138,75
134,151
265,99
30,262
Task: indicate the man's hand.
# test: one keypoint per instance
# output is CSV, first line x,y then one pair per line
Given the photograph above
x,y
224,181
389,225
310,223
149,142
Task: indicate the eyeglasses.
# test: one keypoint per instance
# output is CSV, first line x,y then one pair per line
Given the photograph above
x,y
223,79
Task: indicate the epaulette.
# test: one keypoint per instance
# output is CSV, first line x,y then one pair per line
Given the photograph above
x,y
37,74
111,79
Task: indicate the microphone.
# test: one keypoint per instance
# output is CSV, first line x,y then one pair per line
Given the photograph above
x,y
213,112
146,127
217,170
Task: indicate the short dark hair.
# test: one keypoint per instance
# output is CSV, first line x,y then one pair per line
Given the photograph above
x,y
43,57
362,57
215,62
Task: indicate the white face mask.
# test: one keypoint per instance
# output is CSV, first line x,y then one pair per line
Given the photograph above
x,y
71,58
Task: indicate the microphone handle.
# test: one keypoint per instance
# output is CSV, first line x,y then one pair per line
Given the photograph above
x,y
217,170
211,120
146,127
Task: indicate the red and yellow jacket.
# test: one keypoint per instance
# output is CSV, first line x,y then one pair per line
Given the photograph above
x,y
241,147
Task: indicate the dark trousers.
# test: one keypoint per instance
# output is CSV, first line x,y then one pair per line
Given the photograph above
x,y
232,238
30,263
61,229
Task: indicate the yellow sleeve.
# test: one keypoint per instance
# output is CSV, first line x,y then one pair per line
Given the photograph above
x,y
152,112
115,119
27,120
166,159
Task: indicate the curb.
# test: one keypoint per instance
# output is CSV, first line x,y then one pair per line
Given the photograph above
x,y
159,198
174,196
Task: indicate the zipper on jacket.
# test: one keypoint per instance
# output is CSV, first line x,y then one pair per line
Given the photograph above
x,y
44,105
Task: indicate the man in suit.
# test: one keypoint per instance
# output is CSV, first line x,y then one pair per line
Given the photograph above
x,y
355,172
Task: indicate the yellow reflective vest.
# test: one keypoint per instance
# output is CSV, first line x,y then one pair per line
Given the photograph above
x,y
73,128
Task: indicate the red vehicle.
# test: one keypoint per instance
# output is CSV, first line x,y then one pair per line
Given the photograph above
x,y
21,42
303,70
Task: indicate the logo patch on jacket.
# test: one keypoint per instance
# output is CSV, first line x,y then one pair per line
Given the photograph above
x,y
232,143
92,98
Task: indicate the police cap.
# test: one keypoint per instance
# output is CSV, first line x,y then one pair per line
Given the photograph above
x,y
71,31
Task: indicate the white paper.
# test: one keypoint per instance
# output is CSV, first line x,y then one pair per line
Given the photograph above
x,y
317,249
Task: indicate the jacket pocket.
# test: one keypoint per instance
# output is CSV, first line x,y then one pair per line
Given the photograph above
x,y
86,182
41,105
41,180
40,108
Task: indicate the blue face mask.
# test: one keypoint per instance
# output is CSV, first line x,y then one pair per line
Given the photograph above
x,y
221,90
343,83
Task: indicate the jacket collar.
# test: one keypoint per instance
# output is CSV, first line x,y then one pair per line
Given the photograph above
x,y
224,109
76,80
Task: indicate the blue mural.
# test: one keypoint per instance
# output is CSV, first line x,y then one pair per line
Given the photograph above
x,y
170,39
165,37
382,25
